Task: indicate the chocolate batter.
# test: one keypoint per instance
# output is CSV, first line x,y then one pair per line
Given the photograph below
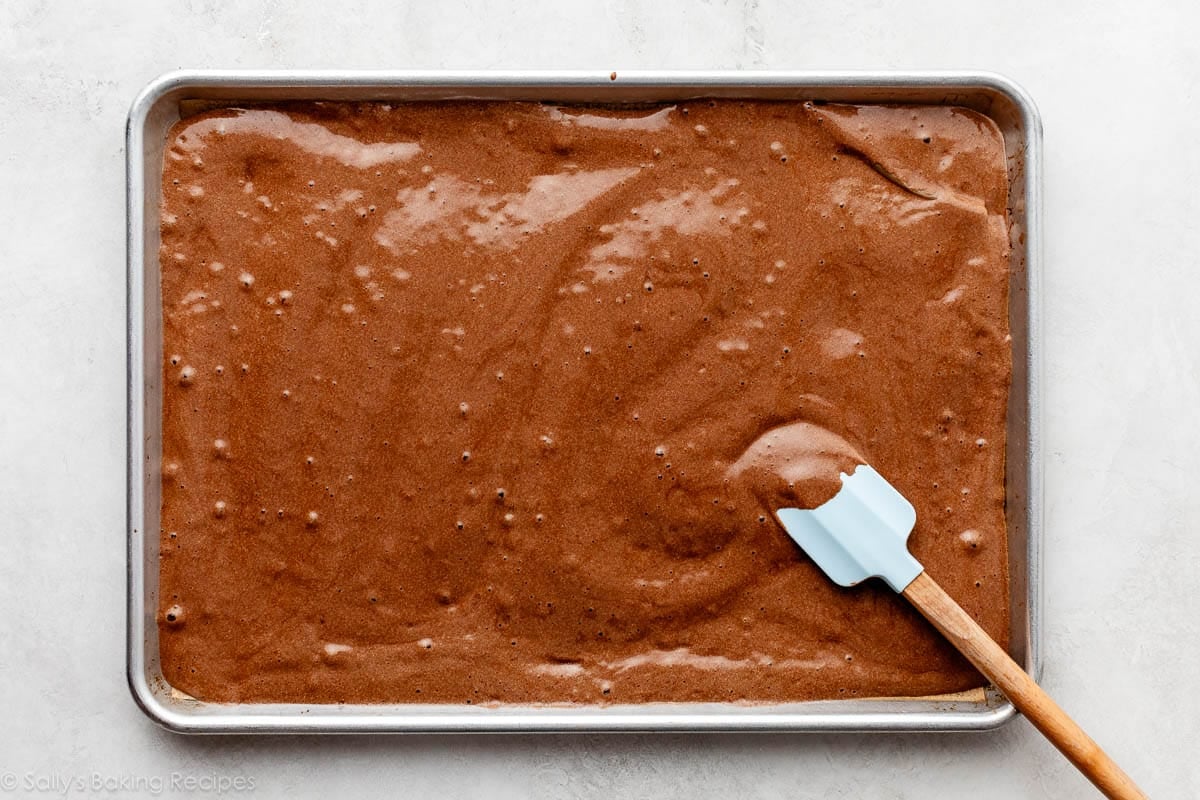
x,y
479,403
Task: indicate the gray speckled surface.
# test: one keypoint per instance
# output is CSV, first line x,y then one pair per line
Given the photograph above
x,y
1117,86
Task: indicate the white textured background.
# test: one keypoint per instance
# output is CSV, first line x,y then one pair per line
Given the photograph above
x,y
1117,86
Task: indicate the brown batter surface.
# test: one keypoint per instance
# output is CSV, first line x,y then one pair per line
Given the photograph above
x,y
478,403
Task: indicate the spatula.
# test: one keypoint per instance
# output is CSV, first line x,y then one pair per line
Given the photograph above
x,y
863,533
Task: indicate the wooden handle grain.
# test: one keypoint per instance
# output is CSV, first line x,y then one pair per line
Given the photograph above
x,y
989,658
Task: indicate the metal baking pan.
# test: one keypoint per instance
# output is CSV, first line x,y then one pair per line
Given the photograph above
x,y
158,107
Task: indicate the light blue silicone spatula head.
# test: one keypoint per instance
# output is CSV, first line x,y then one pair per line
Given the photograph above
x,y
861,533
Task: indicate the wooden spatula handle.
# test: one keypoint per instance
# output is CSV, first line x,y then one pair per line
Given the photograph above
x,y
989,658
